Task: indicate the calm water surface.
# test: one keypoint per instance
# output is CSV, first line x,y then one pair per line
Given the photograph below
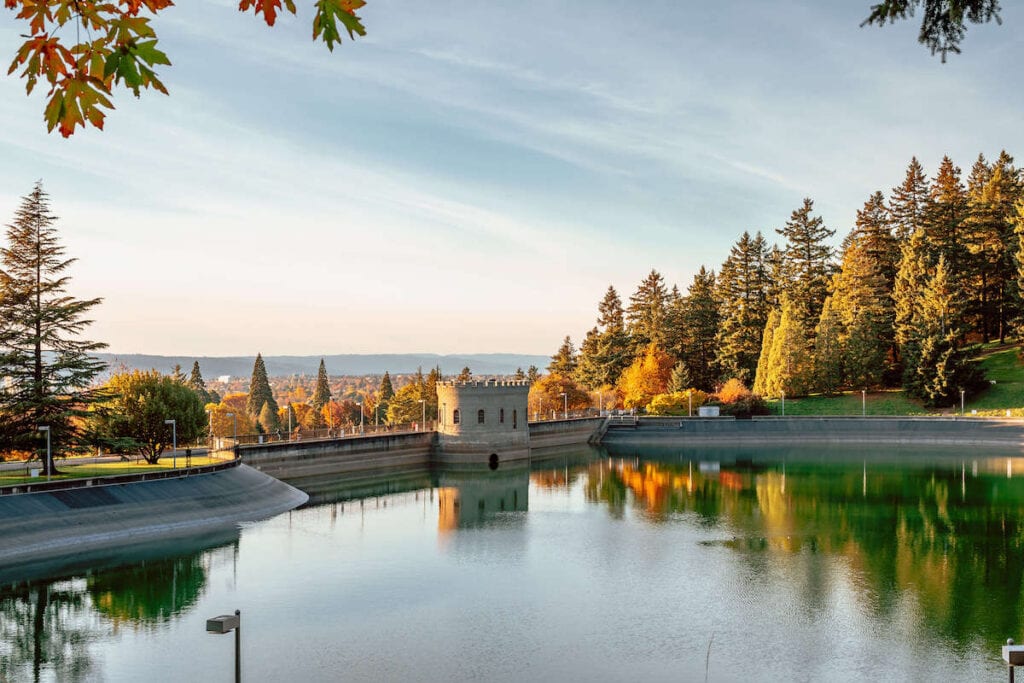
x,y
625,565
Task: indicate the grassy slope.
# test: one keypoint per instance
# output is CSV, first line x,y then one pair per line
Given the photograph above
x,y
105,469
1001,364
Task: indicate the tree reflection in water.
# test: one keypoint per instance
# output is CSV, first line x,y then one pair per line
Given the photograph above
x,y
934,539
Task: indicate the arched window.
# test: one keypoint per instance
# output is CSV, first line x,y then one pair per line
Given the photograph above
x,y
515,419
501,416
480,417
456,417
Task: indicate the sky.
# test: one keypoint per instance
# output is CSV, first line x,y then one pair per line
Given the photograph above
x,y
471,176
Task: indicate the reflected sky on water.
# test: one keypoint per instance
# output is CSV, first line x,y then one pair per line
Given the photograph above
x,y
783,564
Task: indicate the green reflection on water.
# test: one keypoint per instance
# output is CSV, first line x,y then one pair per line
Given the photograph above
x,y
941,531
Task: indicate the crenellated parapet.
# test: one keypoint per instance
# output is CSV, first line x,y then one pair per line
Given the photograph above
x,y
480,418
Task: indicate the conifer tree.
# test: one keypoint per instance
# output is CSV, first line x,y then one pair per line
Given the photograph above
x,y
465,375
533,373
589,372
808,264
268,419
679,380
828,353
646,313
764,358
49,369
742,293
386,390
519,374
790,365
322,392
197,384
907,293
177,374
944,218
698,322
909,201
608,355
564,361
259,390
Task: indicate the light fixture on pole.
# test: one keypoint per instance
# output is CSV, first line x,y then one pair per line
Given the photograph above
x,y
226,623
234,437
863,402
689,398
423,402
209,413
783,404
174,441
961,403
49,454
360,416
289,409
565,411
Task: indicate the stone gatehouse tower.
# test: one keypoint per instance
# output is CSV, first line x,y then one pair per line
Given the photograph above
x,y
478,419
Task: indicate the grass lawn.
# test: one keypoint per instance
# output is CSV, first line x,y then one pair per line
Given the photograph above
x,y
1000,362
100,469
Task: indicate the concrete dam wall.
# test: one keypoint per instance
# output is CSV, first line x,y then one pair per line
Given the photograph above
x,y
819,430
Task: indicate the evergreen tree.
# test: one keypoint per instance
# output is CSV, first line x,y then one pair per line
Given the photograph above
x,y
589,372
790,364
259,390
909,202
465,375
610,313
198,384
646,313
943,220
679,380
862,296
698,322
49,370
268,419
764,358
907,293
563,363
519,375
386,390
808,264
177,374
533,373
742,294
603,358
322,392
828,353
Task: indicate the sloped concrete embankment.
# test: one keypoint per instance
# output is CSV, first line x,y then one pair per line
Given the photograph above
x,y
34,526
820,430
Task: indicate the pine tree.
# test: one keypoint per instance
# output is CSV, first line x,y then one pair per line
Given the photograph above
x,y
519,374
49,370
610,313
386,390
646,313
828,353
944,218
679,380
790,364
533,374
808,264
761,378
589,372
322,392
605,357
268,419
698,322
909,201
259,390
466,375
177,374
742,293
198,384
564,361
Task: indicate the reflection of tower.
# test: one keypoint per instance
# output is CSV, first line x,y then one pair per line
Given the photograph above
x,y
467,499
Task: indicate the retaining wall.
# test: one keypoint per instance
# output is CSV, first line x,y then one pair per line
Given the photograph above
x,y
822,430
564,432
34,526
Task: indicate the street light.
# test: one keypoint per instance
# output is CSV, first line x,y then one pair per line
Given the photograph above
x,y
288,409
210,414
565,411
49,456
863,402
783,404
174,441
423,402
361,416
226,623
689,397
961,403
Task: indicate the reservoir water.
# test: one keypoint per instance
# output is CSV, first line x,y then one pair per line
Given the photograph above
x,y
629,564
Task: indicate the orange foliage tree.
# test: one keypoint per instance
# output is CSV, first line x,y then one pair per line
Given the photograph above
x,y
733,391
117,47
646,378
546,394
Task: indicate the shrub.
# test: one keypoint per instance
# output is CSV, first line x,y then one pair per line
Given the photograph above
x,y
677,403
733,391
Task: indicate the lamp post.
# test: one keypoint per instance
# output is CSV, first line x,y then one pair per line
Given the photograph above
x,y
174,441
361,416
49,455
783,404
961,403
209,415
565,402
423,419
689,398
288,408
863,402
226,623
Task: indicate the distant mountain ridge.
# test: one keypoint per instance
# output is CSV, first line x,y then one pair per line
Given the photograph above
x,y
339,364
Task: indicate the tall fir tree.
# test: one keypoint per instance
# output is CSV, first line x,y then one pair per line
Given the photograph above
x,y
742,292
808,264
909,201
908,291
761,377
645,316
563,363
828,351
49,369
944,218
322,391
698,322
589,371
613,352
790,363
197,383
259,390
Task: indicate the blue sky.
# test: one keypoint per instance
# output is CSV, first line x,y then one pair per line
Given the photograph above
x,y
470,177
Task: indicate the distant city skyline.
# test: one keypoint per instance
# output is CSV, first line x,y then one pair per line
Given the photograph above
x,y
470,178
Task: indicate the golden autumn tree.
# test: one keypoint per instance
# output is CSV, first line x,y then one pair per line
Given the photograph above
x,y
82,50
546,394
646,378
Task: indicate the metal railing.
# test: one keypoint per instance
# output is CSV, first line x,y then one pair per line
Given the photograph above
x,y
227,443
